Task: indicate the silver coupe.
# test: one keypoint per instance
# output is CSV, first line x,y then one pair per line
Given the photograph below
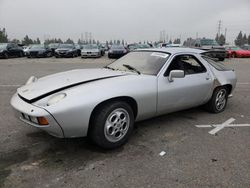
x,y
104,103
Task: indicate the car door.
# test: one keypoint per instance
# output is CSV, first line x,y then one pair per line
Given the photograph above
x,y
191,90
12,50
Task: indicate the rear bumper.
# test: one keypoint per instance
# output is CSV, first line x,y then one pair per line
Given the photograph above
x,y
25,112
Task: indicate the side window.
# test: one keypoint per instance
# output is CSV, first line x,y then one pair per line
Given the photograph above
x,y
188,63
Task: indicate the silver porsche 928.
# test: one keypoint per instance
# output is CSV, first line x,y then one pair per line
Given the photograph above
x,y
104,103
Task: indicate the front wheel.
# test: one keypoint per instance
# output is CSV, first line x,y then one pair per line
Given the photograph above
x,y
112,124
218,101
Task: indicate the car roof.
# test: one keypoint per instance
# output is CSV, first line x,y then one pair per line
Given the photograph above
x,y
175,50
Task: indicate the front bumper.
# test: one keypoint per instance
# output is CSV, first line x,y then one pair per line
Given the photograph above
x,y
64,54
25,112
90,54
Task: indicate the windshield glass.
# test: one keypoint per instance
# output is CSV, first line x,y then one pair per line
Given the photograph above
x,y
3,45
146,62
209,42
235,48
66,46
116,47
90,46
143,46
53,45
37,47
218,65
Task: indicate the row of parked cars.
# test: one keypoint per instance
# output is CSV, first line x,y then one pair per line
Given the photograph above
x,y
210,46
60,50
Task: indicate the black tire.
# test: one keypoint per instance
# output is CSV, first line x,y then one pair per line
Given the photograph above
x,y
101,135
20,54
213,104
49,54
6,56
233,55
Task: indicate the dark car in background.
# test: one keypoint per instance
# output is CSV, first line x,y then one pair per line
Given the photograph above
x,y
39,50
53,47
213,49
66,50
117,51
10,50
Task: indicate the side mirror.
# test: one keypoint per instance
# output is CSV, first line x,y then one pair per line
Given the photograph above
x,y
175,74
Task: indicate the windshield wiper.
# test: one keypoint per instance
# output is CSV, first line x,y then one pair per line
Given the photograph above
x,y
107,67
131,68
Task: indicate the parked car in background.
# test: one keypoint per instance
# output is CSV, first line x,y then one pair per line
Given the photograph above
x,y
213,49
66,50
102,47
132,47
91,50
78,48
71,104
235,51
39,50
53,47
143,46
117,51
10,50
246,47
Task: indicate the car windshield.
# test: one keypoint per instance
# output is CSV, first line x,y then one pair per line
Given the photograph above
x,y
116,47
37,47
53,45
218,65
90,46
235,48
146,62
143,46
209,42
66,46
3,45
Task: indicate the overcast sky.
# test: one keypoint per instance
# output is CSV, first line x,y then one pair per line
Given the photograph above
x,y
132,20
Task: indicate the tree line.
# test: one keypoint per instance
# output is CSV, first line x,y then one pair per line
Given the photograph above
x,y
241,39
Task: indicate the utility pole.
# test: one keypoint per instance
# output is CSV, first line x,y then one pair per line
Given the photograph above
x,y
225,35
219,27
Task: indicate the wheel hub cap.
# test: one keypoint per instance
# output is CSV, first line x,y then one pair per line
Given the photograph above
x,y
117,125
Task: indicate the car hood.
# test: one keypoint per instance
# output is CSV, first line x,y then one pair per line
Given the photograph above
x,y
56,82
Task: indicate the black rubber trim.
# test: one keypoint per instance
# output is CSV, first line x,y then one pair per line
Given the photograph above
x,y
63,88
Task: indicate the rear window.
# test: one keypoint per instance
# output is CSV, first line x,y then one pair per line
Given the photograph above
x,y
218,65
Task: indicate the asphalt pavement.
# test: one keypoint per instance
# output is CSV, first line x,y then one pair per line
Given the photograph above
x,y
173,150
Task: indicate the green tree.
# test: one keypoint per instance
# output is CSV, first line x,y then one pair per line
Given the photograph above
x,y
244,39
69,41
38,41
221,40
27,41
238,40
16,41
3,35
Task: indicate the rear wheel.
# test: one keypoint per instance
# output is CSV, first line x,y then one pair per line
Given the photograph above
x,y
233,55
218,101
112,124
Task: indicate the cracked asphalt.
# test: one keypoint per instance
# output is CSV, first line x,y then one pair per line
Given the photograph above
x,y
194,158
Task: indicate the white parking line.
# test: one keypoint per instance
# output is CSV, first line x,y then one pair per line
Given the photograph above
x,y
218,127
